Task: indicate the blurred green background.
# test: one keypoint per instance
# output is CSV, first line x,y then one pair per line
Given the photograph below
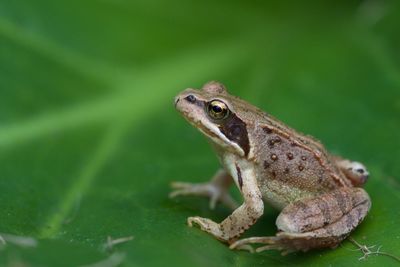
x,y
89,138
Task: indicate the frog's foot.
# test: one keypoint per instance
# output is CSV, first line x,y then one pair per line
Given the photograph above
x,y
245,246
318,222
208,226
216,190
288,242
268,242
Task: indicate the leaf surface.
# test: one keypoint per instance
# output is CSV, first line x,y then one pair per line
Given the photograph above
x,y
89,139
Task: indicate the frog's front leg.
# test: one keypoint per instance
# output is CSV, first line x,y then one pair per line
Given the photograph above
x,y
318,222
217,189
244,216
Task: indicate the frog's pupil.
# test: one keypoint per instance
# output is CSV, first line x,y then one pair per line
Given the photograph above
x,y
217,109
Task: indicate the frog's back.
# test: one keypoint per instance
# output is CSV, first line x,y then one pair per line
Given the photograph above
x,y
290,165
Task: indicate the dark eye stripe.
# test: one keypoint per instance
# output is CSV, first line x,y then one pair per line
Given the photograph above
x,y
235,130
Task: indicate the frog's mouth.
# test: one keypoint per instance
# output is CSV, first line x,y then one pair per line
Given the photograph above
x,y
195,115
202,127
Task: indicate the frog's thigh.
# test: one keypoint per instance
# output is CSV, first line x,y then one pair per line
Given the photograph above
x,y
323,221
324,210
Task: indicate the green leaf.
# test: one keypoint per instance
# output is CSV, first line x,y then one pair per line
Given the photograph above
x,y
89,139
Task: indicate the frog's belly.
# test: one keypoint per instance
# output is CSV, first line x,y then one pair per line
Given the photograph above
x,y
279,195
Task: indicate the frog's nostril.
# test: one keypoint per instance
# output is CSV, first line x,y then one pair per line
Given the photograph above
x,y
191,98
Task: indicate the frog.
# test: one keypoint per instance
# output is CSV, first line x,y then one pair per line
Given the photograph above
x,y
319,195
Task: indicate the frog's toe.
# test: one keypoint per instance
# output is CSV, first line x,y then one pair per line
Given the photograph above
x,y
275,243
179,189
247,247
284,251
195,221
269,242
213,201
214,192
186,189
251,240
203,223
181,185
208,226
178,185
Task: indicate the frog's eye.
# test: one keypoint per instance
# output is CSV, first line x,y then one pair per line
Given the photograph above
x,y
217,110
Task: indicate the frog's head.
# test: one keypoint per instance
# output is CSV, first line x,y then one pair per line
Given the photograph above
x,y
221,117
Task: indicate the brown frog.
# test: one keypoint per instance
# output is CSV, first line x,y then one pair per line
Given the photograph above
x,y
319,195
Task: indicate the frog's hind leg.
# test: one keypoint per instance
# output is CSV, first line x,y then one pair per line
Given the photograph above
x,y
318,222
